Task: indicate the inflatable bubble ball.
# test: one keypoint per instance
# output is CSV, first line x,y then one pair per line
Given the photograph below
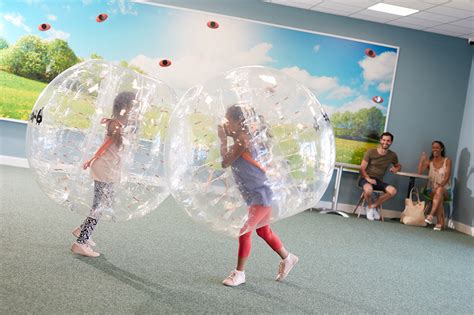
x,y
277,143
116,120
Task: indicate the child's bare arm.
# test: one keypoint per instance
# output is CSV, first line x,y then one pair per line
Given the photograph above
x,y
229,155
114,129
107,142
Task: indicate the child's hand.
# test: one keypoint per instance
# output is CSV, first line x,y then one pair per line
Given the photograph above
x,y
87,164
221,132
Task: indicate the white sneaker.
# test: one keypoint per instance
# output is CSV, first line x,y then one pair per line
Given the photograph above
x,y
77,233
285,266
235,278
376,214
84,250
370,214
366,209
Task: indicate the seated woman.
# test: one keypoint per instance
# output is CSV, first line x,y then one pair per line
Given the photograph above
x,y
439,187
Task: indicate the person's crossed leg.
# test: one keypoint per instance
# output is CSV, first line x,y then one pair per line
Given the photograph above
x,y
372,206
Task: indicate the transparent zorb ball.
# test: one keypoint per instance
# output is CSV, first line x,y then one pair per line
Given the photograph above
x,y
66,129
290,136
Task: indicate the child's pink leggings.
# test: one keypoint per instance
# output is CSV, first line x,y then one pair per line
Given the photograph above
x,y
258,215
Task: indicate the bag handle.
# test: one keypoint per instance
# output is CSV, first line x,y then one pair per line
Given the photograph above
x,y
415,190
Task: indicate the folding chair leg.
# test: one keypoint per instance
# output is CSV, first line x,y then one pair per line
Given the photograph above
x,y
361,199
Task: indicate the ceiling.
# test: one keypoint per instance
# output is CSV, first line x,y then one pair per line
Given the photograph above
x,y
453,18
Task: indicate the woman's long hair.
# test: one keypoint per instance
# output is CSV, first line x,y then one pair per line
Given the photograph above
x,y
443,150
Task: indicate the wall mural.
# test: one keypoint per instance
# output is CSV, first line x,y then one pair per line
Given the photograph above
x,y
352,79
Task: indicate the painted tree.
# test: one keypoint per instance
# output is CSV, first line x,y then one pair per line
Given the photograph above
x,y
125,64
96,56
366,123
3,43
60,57
27,58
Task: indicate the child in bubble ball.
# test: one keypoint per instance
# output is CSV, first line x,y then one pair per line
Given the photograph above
x,y
253,185
105,171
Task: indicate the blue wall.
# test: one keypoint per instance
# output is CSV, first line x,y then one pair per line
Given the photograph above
x,y
429,94
12,138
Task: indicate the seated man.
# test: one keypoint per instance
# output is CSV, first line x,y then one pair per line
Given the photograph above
x,y
372,169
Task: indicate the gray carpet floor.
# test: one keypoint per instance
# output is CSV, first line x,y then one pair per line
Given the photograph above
x,y
165,263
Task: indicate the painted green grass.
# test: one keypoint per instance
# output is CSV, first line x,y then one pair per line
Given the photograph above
x,y
18,95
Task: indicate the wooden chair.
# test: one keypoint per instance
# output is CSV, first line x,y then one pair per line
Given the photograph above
x,y
361,202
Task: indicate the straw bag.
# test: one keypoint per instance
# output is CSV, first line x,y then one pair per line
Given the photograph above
x,y
414,210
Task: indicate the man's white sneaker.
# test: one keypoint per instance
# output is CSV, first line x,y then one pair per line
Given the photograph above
x,y
235,278
84,250
285,266
77,233
370,214
376,214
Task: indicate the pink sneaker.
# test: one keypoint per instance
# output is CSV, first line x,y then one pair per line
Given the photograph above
x,y
285,266
77,232
235,278
84,250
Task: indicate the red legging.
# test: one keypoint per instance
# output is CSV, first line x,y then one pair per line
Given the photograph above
x,y
258,214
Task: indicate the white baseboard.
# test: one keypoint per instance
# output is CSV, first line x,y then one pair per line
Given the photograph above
x,y
14,161
463,228
390,214
347,208
344,207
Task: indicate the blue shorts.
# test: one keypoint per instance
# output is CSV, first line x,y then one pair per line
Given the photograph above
x,y
379,185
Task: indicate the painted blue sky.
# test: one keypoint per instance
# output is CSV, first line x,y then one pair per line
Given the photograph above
x,y
337,70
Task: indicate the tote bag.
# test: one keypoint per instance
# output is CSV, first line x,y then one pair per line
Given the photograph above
x,y
414,210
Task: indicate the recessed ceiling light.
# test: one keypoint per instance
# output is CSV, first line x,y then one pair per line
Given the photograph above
x,y
392,9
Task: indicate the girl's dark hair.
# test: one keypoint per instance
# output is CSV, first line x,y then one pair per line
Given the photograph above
x,y
443,150
236,113
123,101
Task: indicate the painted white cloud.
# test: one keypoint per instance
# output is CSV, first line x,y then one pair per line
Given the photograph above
x,y
379,70
329,86
358,104
17,20
341,92
51,17
316,48
53,34
201,53
192,69
86,2
384,87
122,6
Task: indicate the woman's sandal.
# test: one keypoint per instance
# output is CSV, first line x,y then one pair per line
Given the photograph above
x,y
437,228
429,219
